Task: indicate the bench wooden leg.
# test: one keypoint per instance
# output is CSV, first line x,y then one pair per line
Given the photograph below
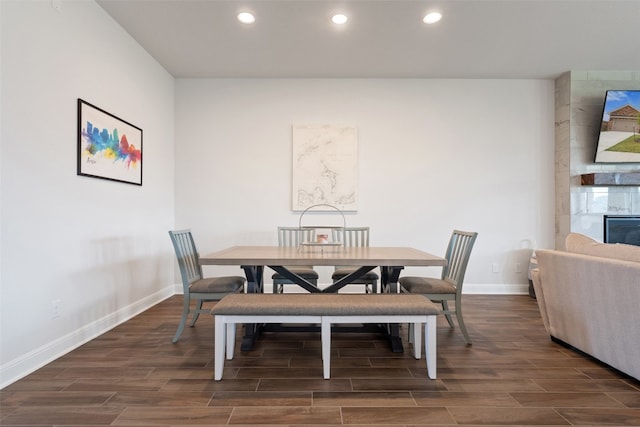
x,y
218,349
430,346
325,332
416,332
231,339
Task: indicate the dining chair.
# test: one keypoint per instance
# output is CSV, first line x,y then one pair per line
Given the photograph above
x,y
194,286
449,286
354,237
294,237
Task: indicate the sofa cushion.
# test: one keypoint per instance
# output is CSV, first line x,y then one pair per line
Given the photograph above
x,y
581,244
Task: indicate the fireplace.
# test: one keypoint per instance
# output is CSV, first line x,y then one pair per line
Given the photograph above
x,y
622,229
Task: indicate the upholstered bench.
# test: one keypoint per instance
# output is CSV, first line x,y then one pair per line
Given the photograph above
x,y
324,309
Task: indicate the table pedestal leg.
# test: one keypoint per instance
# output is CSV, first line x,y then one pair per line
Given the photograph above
x,y
389,283
255,275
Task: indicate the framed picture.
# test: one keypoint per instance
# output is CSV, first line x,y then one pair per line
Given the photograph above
x,y
325,167
108,147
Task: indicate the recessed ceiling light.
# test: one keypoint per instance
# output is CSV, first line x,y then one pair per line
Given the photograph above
x,y
246,18
339,19
432,18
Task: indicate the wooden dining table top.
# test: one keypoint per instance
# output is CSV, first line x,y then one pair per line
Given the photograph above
x,y
322,255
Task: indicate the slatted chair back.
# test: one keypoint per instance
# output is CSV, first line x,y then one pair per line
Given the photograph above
x,y
294,236
352,236
187,256
458,254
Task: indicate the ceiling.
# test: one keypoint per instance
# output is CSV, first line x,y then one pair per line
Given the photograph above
x,y
384,39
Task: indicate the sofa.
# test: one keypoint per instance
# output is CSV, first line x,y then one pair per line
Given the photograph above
x,y
589,298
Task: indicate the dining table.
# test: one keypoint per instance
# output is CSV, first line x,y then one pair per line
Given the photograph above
x,y
391,261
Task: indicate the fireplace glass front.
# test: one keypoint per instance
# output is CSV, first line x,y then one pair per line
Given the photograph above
x,y
622,229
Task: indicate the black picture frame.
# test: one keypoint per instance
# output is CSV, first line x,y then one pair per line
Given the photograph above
x,y
108,147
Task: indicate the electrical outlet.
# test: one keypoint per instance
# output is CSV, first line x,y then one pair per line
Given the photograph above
x,y
518,267
55,308
495,267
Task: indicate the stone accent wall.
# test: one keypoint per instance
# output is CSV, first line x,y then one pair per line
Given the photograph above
x,y
579,101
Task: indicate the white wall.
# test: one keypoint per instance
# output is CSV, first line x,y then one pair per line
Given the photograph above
x,y
433,155
100,248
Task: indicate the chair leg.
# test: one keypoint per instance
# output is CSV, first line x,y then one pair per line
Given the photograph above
x,y
447,313
463,328
183,320
196,313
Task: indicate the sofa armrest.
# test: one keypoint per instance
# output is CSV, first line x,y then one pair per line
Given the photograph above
x,y
535,278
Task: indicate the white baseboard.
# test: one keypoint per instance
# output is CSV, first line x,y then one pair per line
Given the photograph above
x,y
495,289
20,367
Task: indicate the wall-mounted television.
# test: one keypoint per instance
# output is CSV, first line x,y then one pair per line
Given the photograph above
x,y
622,229
619,137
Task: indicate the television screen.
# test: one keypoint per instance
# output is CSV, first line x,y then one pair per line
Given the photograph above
x,y
622,229
619,139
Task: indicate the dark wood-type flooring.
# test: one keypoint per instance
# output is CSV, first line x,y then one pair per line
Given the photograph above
x,y
512,375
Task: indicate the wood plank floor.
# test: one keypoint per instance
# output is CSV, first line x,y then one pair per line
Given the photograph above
x,y
512,375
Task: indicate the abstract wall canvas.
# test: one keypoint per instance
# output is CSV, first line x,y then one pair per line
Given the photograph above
x,y
108,147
